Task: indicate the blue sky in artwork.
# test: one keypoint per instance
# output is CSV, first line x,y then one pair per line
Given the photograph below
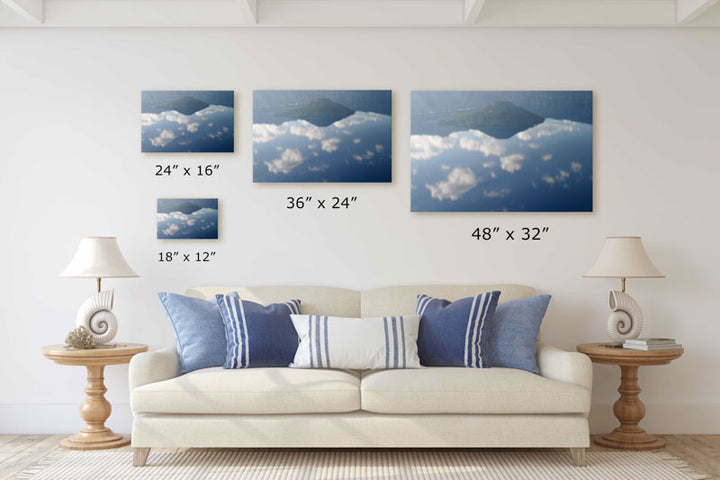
x,y
187,218
322,136
188,121
485,151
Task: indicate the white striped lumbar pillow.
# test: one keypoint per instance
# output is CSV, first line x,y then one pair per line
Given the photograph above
x,y
356,343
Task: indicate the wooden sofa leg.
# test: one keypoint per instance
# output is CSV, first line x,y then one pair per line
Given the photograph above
x,y
140,456
578,457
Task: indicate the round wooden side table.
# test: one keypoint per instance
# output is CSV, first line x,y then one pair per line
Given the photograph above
x,y
629,410
95,409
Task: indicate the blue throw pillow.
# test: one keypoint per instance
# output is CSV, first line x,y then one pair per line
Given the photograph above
x,y
455,334
199,331
513,333
257,335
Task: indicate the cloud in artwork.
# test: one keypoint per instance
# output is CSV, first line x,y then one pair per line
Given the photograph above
x,y
330,145
476,141
171,230
289,159
576,167
357,118
165,137
547,129
266,132
459,181
547,157
424,147
512,163
497,193
560,177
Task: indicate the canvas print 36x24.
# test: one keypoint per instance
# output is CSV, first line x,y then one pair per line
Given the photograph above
x,y
187,218
493,151
322,136
188,121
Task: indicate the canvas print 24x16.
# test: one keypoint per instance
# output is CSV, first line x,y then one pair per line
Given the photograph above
x,y
188,121
187,218
493,151
322,136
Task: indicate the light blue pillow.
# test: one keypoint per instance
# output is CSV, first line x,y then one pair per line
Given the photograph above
x,y
199,331
454,334
257,335
513,333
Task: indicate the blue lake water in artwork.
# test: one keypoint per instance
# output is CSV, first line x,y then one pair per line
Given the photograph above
x,y
188,121
187,218
473,160
322,136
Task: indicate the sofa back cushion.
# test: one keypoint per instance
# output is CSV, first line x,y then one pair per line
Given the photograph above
x,y
337,302
402,300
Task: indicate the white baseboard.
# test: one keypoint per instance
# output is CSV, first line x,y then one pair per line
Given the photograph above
x,y
65,419
62,418
663,418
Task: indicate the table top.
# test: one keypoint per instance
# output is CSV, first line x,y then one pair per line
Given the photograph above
x,y
120,353
601,353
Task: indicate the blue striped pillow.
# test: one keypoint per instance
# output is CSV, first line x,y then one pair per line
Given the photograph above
x,y
356,343
257,335
454,334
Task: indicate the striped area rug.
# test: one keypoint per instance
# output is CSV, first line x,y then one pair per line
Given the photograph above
x,y
358,464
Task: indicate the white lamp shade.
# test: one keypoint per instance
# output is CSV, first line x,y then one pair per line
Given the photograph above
x,y
98,257
624,257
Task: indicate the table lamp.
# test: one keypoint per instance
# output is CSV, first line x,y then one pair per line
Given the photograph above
x,y
623,257
98,257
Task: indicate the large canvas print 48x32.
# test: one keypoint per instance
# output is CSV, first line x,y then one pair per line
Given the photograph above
x,y
322,136
493,151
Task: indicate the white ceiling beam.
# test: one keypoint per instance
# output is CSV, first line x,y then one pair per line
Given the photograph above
x,y
689,10
578,13
30,10
250,9
148,13
472,10
358,13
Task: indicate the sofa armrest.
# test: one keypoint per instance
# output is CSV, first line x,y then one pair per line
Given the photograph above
x,y
155,366
564,366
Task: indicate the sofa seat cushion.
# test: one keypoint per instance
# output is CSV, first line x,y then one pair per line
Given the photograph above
x,y
252,391
469,390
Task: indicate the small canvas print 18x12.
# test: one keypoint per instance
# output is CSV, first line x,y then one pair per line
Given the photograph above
x,y
495,151
187,218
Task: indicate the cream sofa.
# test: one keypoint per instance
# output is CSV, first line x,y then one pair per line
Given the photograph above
x,y
434,407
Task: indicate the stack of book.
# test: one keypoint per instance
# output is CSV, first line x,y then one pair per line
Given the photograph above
x,y
651,344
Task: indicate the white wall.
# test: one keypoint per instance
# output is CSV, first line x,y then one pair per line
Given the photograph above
x,y
70,165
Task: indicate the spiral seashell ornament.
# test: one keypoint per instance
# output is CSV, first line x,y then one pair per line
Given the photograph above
x,y
96,315
626,318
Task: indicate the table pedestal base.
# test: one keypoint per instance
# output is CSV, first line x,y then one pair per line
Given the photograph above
x,y
630,441
629,410
95,409
84,441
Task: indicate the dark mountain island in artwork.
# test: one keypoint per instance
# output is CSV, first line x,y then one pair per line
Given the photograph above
x,y
185,105
499,120
184,207
321,112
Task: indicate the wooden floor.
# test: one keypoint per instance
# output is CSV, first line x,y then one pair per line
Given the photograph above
x,y
17,452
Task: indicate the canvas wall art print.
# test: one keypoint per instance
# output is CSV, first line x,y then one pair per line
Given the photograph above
x,y
322,136
187,218
188,121
495,151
